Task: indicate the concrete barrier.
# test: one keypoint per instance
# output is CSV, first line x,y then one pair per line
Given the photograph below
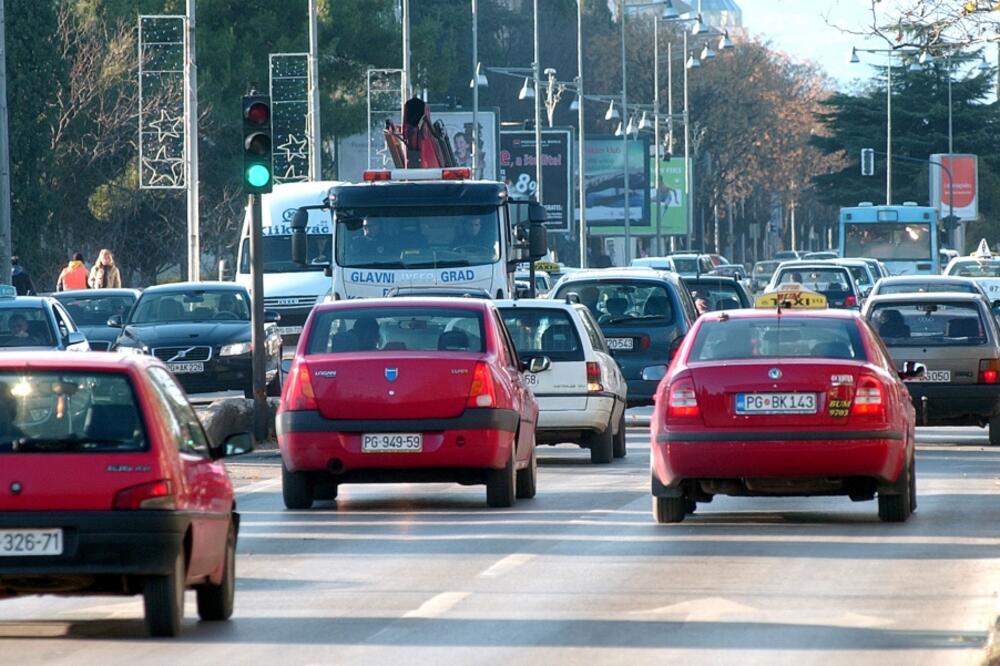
x,y
225,417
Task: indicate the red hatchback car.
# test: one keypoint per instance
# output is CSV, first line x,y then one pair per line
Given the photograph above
x,y
793,402
406,390
109,486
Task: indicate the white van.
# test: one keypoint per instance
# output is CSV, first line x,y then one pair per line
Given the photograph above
x,y
290,288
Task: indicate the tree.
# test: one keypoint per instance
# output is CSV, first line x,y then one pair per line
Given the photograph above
x,y
924,24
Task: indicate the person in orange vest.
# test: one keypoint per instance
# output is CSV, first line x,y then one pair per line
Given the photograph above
x,y
74,276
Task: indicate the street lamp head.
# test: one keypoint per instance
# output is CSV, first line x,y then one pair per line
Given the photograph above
x,y
925,58
693,62
669,12
612,113
550,72
575,104
618,130
527,91
854,56
707,53
630,128
698,27
644,122
724,42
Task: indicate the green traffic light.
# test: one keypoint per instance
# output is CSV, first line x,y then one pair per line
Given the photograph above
x,y
258,175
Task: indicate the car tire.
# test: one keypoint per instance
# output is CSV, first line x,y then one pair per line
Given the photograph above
x,y
896,508
501,484
995,431
163,600
215,602
618,446
274,386
668,509
690,506
296,489
527,478
602,446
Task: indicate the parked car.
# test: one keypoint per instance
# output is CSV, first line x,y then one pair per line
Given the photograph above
x,y
642,314
36,322
202,331
956,337
835,282
91,309
782,402
111,487
582,396
410,390
718,292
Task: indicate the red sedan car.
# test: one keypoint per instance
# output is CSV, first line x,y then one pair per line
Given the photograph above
x,y
783,402
409,390
109,486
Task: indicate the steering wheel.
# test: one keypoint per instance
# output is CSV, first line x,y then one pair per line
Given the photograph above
x,y
225,314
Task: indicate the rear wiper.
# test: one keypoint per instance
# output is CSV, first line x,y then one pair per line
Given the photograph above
x,y
46,444
624,318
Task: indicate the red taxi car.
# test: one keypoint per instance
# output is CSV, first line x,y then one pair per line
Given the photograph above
x,y
783,402
109,486
407,390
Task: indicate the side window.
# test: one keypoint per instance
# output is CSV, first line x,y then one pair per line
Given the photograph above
x,y
191,436
62,321
593,332
687,303
509,351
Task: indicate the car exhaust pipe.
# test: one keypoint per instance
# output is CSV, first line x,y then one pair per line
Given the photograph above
x,y
335,466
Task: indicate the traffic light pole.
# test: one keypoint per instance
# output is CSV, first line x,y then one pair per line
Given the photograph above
x,y
6,243
260,408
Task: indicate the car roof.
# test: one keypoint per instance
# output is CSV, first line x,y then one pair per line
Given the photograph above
x,y
810,263
706,278
416,301
94,293
25,302
765,313
630,273
945,296
931,279
90,360
193,286
548,303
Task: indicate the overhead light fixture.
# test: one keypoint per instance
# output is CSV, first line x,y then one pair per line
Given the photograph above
x,y
644,122
707,53
854,56
699,27
693,62
618,130
612,113
480,78
575,104
669,13
527,91
630,128
725,43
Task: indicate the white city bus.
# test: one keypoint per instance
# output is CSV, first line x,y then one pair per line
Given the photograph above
x,y
904,237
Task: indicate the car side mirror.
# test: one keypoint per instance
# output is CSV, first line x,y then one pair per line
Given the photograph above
x,y
913,370
271,317
235,445
75,338
539,364
115,321
654,373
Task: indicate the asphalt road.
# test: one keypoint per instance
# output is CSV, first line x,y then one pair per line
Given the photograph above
x,y
409,574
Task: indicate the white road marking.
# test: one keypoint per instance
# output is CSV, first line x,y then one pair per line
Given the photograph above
x,y
506,564
438,605
258,486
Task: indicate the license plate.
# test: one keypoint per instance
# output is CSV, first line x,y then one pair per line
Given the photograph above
x,y
289,330
530,379
621,343
937,376
392,442
775,403
186,368
22,543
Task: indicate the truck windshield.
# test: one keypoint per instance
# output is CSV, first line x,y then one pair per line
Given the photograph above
x,y
889,241
278,254
437,237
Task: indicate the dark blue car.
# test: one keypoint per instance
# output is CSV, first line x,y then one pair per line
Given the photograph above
x,y
92,308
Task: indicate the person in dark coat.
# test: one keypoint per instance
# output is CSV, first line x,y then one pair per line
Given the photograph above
x,y
20,279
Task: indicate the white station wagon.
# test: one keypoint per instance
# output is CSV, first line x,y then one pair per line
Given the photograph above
x,y
581,395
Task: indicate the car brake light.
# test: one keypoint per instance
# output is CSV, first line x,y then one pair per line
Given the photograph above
x,y
456,173
989,371
299,395
850,302
682,401
483,392
868,398
644,342
594,377
373,175
153,495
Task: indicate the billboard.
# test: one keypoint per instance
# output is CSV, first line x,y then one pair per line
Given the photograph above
x,y
517,170
964,192
668,210
604,168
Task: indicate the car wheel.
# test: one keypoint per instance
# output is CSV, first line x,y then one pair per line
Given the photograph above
x,y
274,386
896,508
527,478
602,446
618,446
995,431
668,509
500,484
215,602
296,489
163,600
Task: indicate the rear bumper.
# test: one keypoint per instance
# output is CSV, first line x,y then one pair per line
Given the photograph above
x,y
956,404
701,455
478,439
100,542
594,415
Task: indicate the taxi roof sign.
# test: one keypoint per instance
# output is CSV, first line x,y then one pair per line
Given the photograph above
x,y
7,291
791,297
983,251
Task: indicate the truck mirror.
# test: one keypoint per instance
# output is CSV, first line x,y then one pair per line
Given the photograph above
x,y
300,220
537,213
299,244
538,240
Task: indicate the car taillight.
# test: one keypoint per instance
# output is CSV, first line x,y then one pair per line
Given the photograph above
x,y
682,402
594,377
375,175
643,342
868,398
989,371
299,395
456,173
850,302
483,392
153,495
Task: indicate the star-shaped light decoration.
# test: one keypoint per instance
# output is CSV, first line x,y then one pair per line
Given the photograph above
x,y
294,148
167,126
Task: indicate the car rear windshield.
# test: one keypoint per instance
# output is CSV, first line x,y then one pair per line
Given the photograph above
x,y
686,265
396,329
927,287
718,295
926,323
97,309
25,327
777,337
543,332
623,301
78,412
823,280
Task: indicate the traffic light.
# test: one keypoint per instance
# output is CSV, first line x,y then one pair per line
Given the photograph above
x,y
258,169
867,161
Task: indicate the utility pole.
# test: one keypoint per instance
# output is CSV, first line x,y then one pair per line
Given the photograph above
x,y
405,16
628,202
315,147
475,88
538,112
5,238
580,145
258,340
191,138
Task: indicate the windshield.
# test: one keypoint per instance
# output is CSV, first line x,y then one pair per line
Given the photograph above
x,y
860,274
278,254
976,269
765,268
927,323
193,305
916,287
396,329
822,280
889,241
686,266
543,332
717,295
44,411
777,338
25,327
622,302
96,309
439,237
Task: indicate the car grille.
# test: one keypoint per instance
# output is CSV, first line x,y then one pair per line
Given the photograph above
x,y
278,302
179,354
100,346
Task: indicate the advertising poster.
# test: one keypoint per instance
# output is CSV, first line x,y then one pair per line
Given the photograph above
x,y
668,208
965,189
604,174
517,170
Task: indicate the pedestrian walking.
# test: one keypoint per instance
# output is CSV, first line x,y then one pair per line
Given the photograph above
x,y
104,274
20,279
74,276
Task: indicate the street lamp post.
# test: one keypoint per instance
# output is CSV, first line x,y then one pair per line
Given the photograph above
x,y
580,146
628,204
536,66
475,87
